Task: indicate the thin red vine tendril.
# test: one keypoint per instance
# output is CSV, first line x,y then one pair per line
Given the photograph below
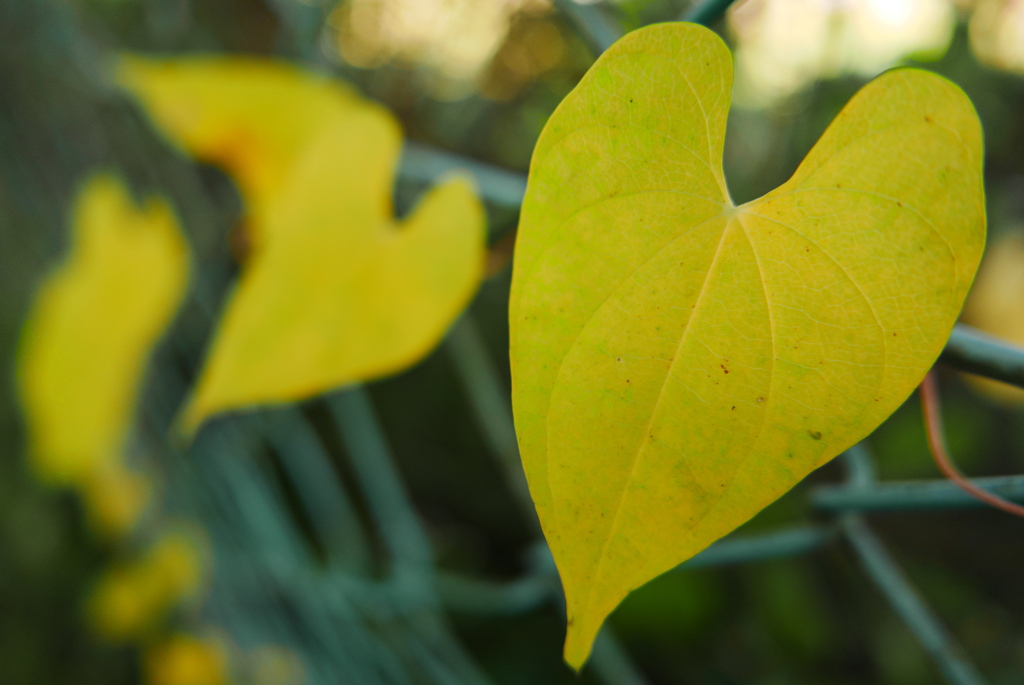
x,y
932,411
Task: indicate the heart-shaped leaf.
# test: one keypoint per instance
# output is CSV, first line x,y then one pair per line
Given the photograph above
x,y
337,291
680,362
89,334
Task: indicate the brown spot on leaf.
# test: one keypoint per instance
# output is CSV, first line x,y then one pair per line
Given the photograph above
x,y
815,434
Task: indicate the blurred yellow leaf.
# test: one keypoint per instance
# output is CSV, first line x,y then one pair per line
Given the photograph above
x,y
254,118
337,291
680,362
115,499
186,660
996,306
132,599
90,331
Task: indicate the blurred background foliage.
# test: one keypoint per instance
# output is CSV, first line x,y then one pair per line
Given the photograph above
x,y
242,546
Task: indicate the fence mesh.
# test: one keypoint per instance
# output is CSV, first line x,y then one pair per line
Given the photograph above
x,y
317,545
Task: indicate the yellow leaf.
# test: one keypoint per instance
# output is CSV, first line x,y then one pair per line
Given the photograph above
x,y
255,118
132,599
90,331
338,291
115,499
680,362
186,660
996,306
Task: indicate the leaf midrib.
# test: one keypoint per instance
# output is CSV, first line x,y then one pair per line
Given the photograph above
x,y
731,218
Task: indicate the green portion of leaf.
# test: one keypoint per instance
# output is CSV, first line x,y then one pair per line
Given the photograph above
x,y
679,362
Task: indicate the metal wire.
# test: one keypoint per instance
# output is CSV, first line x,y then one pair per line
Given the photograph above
x,y
360,615
944,651
913,495
592,22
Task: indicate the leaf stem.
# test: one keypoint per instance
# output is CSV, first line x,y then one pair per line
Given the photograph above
x,y
931,409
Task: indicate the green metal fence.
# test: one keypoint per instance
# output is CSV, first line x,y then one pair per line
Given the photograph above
x,y
366,602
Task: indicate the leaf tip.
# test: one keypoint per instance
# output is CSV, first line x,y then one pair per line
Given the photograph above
x,y
578,645
581,632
